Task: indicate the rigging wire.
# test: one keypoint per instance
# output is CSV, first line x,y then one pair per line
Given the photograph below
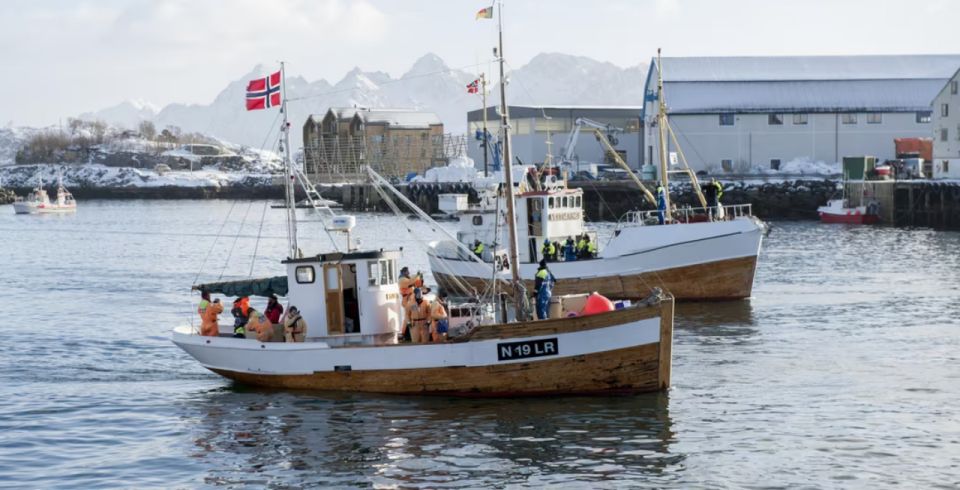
x,y
237,237
222,225
256,246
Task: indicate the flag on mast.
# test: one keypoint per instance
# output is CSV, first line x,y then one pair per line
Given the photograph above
x,y
263,93
473,87
486,13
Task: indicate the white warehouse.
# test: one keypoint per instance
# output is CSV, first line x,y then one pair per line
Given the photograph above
x,y
748,114
946,130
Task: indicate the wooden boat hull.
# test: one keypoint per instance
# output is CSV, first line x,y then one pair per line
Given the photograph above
x,y
694,262
621,352
716,281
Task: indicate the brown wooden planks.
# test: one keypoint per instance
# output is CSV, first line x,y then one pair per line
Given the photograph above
x,y
629,370
721,280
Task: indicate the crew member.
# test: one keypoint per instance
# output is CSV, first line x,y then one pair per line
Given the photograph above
x,y
440,323
294,326
569,250
712,192
661,203
211,321
407,285
260,324
478,248
418,312
273,310
204,303
543,285
241,307
582,247
548,251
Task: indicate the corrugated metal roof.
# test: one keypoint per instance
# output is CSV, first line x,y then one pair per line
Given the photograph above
x,y
808,96
769,68
886,83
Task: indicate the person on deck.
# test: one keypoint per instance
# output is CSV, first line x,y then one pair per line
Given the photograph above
x,y
581,246
569,250
241,307
274,309
440,324
407,285
294,326
661,203
478,248
418,312
258,323
543,285
712,192
211,318
548,252
204,303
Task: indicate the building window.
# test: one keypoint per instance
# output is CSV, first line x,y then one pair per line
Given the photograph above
x,y
874,118
946,166
849,119
923,117
305,274
477,220
958,132
775,164
726,165
799,119
775,119
944,110
953,87
726,119
943,134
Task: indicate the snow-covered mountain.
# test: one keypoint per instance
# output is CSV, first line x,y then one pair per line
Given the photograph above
x,y
126,114
430,85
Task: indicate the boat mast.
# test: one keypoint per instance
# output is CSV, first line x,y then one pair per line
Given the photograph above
x,y
486,140
288,166
519,295
662,132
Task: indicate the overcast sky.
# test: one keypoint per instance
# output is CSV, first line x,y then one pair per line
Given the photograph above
x,y
64,57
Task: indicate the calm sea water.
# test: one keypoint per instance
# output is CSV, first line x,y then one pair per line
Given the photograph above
x,y
843,371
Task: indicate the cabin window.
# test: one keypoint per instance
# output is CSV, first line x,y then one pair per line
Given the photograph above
x,y
564,201
799,119
550,204
373,270
923,117
477,220
874,118
385,276
578,201
849,119
305,274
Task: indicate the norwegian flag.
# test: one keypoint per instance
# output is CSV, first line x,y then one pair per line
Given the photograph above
x,y
473,87
263,93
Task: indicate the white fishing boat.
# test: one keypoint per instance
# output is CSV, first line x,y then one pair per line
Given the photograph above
x,y
698,253
38,202
351,303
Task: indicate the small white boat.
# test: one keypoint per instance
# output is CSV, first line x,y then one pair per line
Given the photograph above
x,y
38,202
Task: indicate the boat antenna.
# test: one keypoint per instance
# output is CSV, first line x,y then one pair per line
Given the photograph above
x,y
519,292
288,166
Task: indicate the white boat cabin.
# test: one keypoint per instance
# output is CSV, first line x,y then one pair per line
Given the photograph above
x,y
553,214
347,298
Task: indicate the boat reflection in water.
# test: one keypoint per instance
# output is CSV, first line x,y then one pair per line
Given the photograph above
x,y
259,436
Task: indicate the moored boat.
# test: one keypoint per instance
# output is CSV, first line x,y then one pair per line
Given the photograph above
x,y
839,211
38,202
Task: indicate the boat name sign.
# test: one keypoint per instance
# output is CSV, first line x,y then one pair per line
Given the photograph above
x,y
509,351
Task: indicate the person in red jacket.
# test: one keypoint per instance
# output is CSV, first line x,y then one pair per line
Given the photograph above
x,y
274,309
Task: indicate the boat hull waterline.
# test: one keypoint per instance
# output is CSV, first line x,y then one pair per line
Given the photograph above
x,y
621,352
710,263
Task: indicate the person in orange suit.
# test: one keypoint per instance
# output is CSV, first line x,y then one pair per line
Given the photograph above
x,y
260,324
418,312
211,319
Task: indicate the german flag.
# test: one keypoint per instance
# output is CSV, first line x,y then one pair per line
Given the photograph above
x,y
486,13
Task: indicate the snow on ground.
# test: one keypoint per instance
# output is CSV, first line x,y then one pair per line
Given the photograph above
x,y
462,169
94,175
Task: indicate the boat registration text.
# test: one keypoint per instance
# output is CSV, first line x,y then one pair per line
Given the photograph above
x,y
509,351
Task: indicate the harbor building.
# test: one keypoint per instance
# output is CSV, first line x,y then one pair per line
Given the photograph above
x,y
532,127
748,114
395,142
946,130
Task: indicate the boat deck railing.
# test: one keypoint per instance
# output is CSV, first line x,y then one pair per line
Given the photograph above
x,y
692,214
